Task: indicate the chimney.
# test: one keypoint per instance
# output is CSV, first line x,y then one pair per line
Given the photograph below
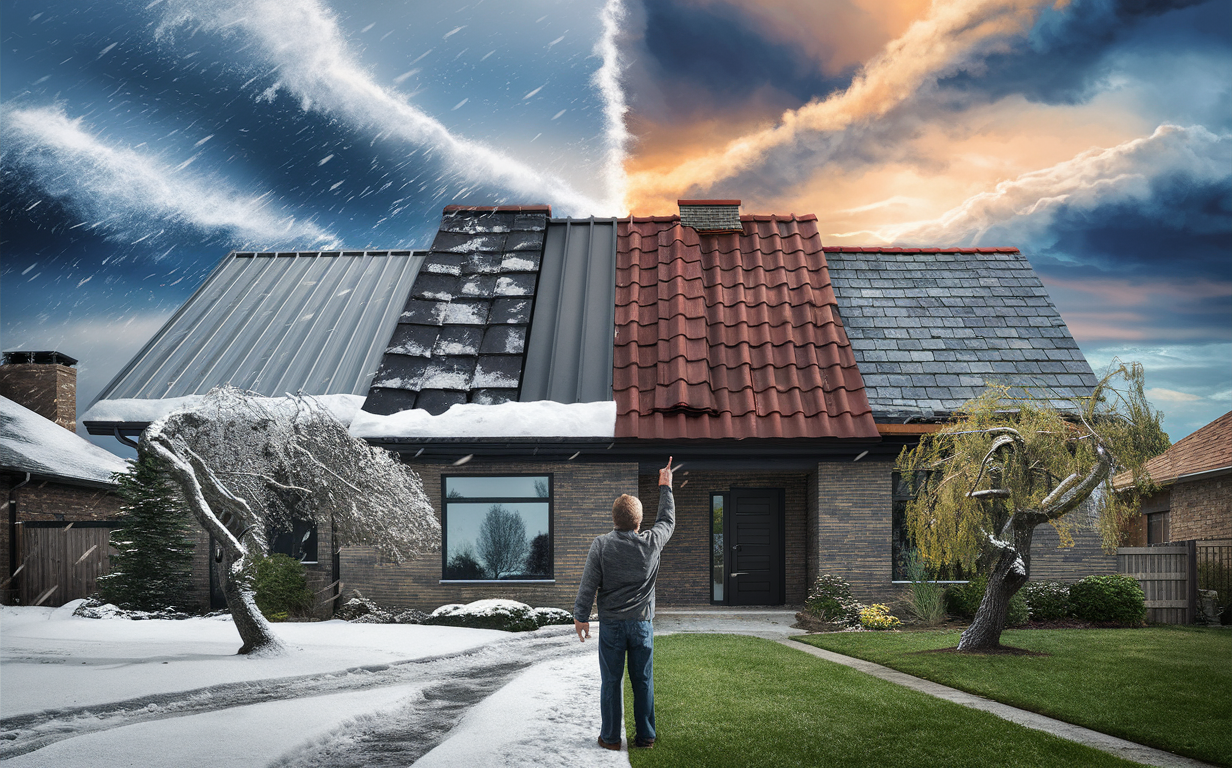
x,y
711,216
44,382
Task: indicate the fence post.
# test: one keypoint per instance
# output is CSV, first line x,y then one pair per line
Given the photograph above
x,y
1191,556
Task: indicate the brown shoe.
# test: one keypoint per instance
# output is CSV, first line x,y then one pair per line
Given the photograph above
x,y
608,744
641,743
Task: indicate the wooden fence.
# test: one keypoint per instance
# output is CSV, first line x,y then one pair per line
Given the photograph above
x,y
1167,579
60,562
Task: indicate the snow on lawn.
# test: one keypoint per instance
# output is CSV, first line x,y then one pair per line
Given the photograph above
x,y
547,716
53,659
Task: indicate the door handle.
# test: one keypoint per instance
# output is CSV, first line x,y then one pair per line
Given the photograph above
x,y
740,573
736,547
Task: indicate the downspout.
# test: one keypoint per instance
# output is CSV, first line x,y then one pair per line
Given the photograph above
x,y
14,550
126,440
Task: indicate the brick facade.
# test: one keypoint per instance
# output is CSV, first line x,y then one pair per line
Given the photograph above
x,y
581,510
1201,510
50,390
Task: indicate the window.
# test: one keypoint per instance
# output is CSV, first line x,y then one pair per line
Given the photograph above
x,y
1157,528
901,544
716,547
300,542
497,528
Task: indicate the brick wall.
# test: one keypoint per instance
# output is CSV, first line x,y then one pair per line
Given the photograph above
x,y
581,508
1049,562
50,390
853,528
1201,510
684,572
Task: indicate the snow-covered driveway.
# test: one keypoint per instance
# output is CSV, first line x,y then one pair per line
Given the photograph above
x,y
112,692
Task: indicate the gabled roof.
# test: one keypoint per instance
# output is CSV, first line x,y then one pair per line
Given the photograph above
x,y
312,322
731,335
1207,450
930,326
31,443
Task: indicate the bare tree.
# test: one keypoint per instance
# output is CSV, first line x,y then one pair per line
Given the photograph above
x,y
1009,463
502,541
246,464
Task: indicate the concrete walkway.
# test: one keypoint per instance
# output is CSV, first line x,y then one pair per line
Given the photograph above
x,y
775,624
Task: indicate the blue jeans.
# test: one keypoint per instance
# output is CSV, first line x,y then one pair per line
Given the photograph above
x,y
636,638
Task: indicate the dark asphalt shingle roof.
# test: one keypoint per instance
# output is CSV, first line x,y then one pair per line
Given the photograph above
x,y
929,327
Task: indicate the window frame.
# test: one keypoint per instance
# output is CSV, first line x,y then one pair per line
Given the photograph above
x,y
895,500
723,553
313,536
1164,518
551,502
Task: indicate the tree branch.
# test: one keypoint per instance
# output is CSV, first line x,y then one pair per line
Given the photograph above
x,y
1001,442
1071,498
193,494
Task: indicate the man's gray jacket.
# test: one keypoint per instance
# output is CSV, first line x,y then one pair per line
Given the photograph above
x,y
622,567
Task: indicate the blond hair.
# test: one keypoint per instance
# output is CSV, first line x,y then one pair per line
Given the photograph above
x,y
627,513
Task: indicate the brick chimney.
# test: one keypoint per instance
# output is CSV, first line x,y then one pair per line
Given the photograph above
x,y
711,216
44,382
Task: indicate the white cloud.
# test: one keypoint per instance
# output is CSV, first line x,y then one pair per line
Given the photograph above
x,y
303,40
606,80
125,190
1021,209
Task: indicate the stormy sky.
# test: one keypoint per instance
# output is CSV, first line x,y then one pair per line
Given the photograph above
x,y
142,141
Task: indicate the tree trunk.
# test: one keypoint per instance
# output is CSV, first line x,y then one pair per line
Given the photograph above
x,y
254,630
1010,571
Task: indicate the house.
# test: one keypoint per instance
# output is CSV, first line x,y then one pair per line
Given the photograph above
x,y
1194,502
532,368
58,488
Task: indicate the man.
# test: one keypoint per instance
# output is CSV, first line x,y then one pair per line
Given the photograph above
x,y
622,566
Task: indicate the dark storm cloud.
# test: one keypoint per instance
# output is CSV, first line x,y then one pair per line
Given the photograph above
x,y
713,55
1069,51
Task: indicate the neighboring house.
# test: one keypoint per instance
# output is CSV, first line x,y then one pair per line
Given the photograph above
x,y
58,487
531,369
1195,500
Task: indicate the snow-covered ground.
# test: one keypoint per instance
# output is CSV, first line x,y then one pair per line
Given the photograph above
x,y
103,692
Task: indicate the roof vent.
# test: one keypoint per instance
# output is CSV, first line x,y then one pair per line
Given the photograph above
x,y
711,216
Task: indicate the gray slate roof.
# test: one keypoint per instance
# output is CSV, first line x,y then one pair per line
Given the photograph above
x,y
273,323
929,327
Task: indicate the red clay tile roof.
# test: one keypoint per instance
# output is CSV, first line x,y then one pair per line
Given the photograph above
x,y
731,335
1208,449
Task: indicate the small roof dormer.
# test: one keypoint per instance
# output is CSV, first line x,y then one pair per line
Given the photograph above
x,y
712,217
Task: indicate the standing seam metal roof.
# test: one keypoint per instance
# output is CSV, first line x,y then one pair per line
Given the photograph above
x,y
273,323
569,353
931,326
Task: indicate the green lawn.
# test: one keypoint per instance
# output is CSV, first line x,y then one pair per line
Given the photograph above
x,y
1169,687
727,700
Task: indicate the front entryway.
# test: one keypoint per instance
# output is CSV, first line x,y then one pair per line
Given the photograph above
x,y
753,557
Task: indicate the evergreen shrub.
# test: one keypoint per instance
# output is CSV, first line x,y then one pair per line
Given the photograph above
x,y
281,587
151,569
830,600
1112,598
1047,600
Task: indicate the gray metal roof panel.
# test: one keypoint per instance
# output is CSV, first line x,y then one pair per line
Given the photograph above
x,y
311,322
918,321
569,352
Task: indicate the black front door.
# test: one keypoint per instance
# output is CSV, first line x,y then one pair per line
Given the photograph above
x,y
754,534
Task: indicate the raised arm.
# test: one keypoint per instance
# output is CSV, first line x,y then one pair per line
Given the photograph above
x,y
665,520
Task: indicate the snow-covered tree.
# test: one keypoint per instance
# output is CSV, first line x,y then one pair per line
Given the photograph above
x,y
245,464
152,566
1009,463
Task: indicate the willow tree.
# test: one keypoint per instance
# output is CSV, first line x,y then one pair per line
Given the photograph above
x,y
246,465
1010,462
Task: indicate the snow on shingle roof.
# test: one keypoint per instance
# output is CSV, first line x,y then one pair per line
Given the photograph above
x,y
31,443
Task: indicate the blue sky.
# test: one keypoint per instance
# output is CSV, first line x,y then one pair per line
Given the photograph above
x,y
144,140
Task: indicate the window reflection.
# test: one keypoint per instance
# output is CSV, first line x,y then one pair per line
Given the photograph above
x,y
716,547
